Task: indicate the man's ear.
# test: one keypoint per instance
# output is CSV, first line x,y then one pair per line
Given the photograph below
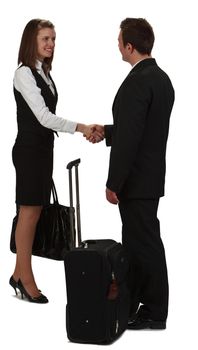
x,y
130,48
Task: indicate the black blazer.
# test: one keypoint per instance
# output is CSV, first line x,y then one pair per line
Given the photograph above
x,y
138,137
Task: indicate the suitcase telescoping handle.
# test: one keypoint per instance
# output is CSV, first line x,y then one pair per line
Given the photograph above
x,y
75,163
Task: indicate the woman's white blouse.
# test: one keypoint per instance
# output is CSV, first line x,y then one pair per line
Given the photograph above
x,y
25,83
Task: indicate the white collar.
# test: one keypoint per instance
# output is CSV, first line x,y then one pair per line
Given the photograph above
x,y
38,65
136,63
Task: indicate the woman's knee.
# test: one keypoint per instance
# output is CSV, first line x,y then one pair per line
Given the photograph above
x,y
31,213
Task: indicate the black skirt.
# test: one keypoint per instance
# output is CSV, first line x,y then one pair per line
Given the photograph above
x,y
34,167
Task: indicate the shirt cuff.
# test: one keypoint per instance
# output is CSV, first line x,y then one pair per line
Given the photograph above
x,y
70,127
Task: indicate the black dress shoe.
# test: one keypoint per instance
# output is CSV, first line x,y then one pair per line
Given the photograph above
x,y
144,323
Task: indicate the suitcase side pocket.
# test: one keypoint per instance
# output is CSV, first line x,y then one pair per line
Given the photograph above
x,y
118,304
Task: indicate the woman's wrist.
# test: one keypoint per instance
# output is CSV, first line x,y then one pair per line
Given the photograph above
x,y
80,128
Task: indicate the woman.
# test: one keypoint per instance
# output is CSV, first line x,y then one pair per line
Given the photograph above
x,y
36,99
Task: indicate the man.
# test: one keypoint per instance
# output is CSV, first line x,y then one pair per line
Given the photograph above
x,y
138,137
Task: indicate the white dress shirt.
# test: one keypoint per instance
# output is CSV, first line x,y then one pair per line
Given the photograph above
x,y
25,83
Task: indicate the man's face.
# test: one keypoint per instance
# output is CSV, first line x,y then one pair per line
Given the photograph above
x,y
125,51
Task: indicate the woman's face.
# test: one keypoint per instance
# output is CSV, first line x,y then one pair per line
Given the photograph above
x,y
45,43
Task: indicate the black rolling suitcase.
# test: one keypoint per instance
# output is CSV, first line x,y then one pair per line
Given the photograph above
x,y
97,296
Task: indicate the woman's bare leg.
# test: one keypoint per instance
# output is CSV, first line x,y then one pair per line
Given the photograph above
x,y
24,236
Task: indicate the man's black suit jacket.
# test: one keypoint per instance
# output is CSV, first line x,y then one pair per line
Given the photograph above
x,y
138,136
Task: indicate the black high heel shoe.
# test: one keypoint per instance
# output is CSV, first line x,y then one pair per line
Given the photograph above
x,y
14,284
42,299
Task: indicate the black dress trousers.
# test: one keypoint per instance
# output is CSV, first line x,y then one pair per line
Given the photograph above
x,y
148,280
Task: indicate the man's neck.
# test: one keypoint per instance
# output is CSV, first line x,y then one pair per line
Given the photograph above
x,y
136,59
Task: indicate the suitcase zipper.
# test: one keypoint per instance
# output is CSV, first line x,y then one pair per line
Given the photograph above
x,y
117,326
112,295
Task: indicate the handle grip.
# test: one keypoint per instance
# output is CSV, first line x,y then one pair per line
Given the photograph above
x,y
75,162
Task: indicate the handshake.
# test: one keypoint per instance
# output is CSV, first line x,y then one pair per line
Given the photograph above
x,y
94,133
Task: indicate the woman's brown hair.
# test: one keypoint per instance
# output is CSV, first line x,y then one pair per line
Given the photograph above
x,y
28,47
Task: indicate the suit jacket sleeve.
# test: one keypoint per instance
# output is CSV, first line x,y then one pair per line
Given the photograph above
x,y
130,113
108,131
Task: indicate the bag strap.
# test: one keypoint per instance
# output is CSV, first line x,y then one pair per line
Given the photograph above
x,y
54,193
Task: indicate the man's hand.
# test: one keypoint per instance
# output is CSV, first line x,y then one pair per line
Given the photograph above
x,y
96,135
111,197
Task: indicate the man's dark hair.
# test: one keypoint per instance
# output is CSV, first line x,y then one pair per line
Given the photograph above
x,y
139,33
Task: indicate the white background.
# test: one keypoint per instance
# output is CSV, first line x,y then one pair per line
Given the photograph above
x,y
88,70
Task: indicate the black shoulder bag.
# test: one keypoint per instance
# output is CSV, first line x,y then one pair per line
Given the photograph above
x,y
54,233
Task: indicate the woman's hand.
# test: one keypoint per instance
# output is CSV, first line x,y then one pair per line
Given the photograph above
x,y
94,133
